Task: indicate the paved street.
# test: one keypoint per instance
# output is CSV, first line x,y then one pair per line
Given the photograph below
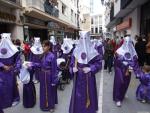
x,y
130,105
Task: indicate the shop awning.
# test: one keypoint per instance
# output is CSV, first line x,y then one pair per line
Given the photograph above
x,y
36,13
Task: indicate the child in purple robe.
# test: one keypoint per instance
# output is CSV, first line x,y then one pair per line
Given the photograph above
x,y
48,78
143,90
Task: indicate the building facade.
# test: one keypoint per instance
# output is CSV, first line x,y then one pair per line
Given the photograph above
x,y
10,21
126,17
45,18
96,26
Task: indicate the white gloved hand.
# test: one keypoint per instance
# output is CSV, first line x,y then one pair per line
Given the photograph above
x,y
53,84
125,63
75,69
86,69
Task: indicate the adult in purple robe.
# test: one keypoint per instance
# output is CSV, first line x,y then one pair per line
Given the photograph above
x,y
67,49
99,47
85,64
48,78
10,64
143,90
125,61
56,46
35,56
29,92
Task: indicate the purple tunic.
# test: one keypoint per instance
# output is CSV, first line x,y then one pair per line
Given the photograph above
x,y
9,89
121,81
1,86
57,50
48,92
84,81
143,90
65,72
36,59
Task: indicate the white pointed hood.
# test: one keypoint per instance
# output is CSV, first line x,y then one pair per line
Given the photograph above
x,y
127,49
67,45
37,47
85,51
7,48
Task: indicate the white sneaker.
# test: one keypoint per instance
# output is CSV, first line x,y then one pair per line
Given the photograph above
x,y
15,103
118,104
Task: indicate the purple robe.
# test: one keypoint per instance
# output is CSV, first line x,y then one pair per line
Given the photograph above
x,y
1,86
84,81
100,51
36,59
9,89
48,92
143,90
29,92
57,50
121,81
65,72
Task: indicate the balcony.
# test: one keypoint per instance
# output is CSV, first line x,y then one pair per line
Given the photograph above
x,y
15,1
11,3
51,9
125,3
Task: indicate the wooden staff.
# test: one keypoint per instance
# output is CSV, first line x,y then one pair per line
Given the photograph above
x,y
87,91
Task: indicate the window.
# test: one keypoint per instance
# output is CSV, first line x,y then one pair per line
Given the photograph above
x,y
63,9
75,18
92,30
100,29
96,30
92,21
71,15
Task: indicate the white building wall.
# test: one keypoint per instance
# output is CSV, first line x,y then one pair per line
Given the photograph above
x,y
135,29
117,6
70,4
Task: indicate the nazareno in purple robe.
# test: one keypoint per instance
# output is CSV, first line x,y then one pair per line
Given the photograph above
x,y
65,72
79,94
143,90
121,81
48,77
100,51
9,89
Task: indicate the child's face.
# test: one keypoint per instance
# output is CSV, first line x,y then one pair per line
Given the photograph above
x,y
46,48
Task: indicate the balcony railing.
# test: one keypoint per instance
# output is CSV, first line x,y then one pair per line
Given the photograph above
x,y
51,9
125,3
15,1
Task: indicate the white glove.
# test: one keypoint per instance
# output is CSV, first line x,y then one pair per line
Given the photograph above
x,y
125,63
86,69
53,84
75,69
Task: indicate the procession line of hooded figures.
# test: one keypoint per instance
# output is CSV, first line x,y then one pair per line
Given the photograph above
x,y
85,60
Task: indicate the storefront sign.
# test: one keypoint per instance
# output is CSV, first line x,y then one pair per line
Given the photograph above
x,y
7,17
124,25
35,21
